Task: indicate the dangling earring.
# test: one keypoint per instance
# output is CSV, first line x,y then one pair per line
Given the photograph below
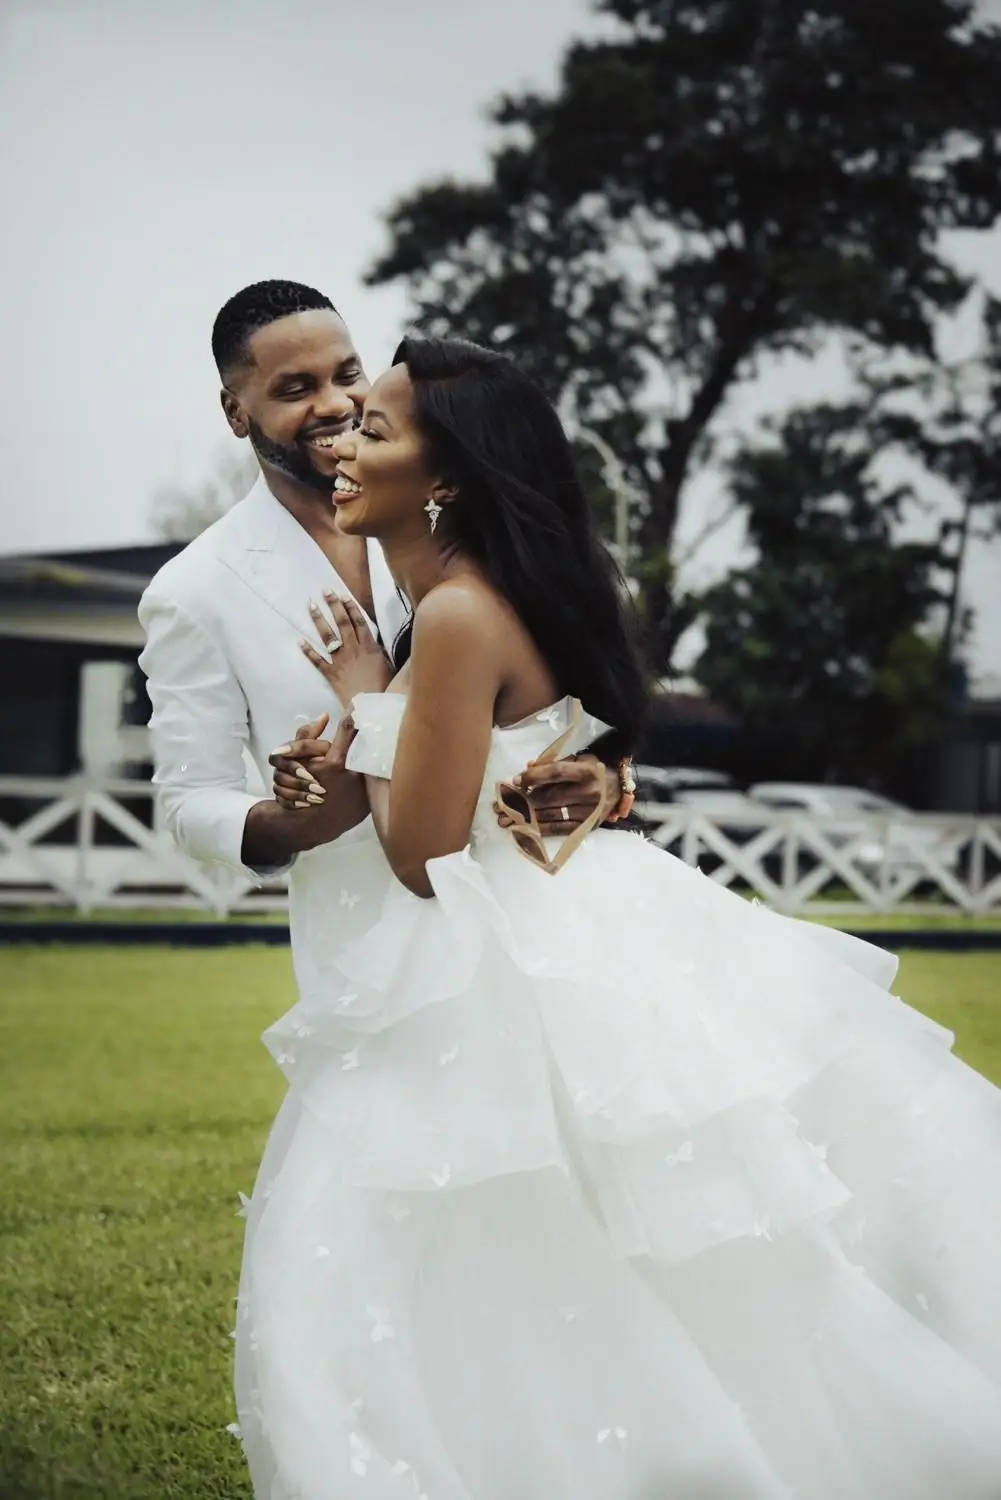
x,y
433,509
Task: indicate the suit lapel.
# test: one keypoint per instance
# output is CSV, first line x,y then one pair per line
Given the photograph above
x,y
275,557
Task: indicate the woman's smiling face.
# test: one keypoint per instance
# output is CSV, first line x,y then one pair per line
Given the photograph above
x,y
384,480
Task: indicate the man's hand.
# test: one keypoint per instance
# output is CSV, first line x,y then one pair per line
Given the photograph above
x,y
565,793
309,768
303,819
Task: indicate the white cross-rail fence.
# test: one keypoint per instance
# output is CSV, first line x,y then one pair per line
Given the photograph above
x,y
95,844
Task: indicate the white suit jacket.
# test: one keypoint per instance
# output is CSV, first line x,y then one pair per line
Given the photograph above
x,y
225,673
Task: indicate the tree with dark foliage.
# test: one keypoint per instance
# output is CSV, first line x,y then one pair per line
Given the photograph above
x,y
713,182
821,647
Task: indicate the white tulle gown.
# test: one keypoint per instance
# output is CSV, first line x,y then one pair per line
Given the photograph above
x,y
613,1186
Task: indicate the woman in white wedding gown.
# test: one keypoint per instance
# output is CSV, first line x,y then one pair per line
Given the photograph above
x,y
601,1185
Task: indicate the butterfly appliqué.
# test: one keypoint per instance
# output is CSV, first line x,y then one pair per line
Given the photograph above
x,y
382,1324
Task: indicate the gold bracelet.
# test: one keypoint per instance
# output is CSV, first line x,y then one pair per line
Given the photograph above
x,y
627,785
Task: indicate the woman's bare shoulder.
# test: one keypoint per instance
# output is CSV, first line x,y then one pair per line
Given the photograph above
x,y
460,606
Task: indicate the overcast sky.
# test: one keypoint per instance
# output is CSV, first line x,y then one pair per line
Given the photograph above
x,y
158,156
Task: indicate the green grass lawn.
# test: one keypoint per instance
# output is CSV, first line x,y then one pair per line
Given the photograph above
x,y
136,1097
135,1100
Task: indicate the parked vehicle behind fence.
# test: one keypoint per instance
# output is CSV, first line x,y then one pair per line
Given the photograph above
x,y
885,834
879,836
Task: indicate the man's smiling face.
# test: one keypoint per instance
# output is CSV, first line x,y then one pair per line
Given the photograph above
x,y
299,387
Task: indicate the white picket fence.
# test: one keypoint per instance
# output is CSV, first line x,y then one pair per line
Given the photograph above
x,y
77,842
58,853
921,864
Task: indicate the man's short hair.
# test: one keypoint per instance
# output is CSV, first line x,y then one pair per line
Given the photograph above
x,y
253,308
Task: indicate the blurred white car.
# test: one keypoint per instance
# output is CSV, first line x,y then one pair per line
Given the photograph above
x,y
897,836
713,793
662,783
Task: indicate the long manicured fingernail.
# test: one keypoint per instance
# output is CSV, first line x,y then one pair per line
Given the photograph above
x,y
282,750
300,804
313,800
317,789
302,773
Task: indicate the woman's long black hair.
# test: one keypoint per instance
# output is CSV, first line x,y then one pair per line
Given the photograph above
x,y
522,516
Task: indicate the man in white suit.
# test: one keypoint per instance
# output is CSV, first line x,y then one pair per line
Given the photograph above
x,y
224,618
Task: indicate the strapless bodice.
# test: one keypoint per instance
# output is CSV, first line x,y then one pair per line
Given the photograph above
x,y
378,717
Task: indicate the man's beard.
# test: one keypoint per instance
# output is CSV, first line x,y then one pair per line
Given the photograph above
x,y
288,460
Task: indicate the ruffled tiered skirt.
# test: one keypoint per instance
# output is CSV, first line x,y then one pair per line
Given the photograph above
x,y
614,1186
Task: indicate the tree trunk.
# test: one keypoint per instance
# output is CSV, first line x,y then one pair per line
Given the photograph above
x,y
739,330
952,608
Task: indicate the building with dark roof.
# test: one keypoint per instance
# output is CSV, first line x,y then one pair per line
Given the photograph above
x,y
70,689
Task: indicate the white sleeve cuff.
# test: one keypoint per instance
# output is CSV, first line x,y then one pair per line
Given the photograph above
x,y
209,826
